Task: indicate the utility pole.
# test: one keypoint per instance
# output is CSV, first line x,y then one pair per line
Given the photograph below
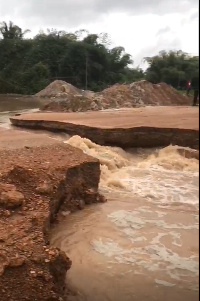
x,y
86,72
179,79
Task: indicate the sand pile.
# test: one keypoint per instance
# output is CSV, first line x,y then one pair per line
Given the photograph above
x,y
118,96
142,93
60,89
65,97
71,103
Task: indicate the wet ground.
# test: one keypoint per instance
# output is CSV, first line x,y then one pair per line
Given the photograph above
x,y
11,105
143,243
12,137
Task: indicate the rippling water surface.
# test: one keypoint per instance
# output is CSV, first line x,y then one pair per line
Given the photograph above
x,y
143,243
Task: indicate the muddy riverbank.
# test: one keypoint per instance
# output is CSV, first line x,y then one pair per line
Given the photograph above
x,y
140,245
35,183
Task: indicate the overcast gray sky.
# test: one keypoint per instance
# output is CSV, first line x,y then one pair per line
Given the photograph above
x,y
143,27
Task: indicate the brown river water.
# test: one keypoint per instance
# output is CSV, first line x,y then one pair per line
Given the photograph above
x,y
11,105
143,243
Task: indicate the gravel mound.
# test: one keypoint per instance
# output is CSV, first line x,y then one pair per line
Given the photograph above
x,y
64,97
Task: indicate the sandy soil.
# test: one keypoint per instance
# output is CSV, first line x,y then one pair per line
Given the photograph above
x,y
165,117
64,97
13,139
38,176
144,127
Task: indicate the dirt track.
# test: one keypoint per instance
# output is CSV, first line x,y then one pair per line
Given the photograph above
x,y
142,127
170,117
13,139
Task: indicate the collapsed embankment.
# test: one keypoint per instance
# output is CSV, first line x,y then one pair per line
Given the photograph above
x,y
35,183
146,127
133,137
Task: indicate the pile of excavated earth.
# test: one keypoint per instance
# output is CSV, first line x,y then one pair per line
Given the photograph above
x,y
64,97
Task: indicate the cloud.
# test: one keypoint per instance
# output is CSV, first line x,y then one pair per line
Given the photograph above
x,y
143,27
159,7
75,12
163,31
194,16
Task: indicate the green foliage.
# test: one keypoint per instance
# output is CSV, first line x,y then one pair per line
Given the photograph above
x,y
35,78
82,59
6,86
30,64
11,31
174,68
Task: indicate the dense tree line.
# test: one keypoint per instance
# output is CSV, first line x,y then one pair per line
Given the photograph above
x,y
83,59
174,68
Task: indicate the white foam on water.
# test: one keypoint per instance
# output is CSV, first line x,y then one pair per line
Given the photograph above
x,y
163,177
154,258
152,255
135,220
164,283
150,237
169,158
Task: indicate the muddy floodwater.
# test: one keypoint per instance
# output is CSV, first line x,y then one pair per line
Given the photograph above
x,y
143,243
11,105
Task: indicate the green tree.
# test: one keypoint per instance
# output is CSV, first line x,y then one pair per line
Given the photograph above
x,y
12,31
81,58
173,68
35,78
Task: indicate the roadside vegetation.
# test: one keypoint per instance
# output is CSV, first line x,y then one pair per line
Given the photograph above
x,y
85,60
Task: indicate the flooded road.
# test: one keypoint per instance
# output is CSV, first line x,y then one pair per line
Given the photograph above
x,y
11,105
143,243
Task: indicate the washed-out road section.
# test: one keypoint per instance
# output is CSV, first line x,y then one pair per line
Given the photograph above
x,y
141,127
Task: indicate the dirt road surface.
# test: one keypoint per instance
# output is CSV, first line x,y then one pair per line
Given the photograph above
x,y
165,117
143,127
13,139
